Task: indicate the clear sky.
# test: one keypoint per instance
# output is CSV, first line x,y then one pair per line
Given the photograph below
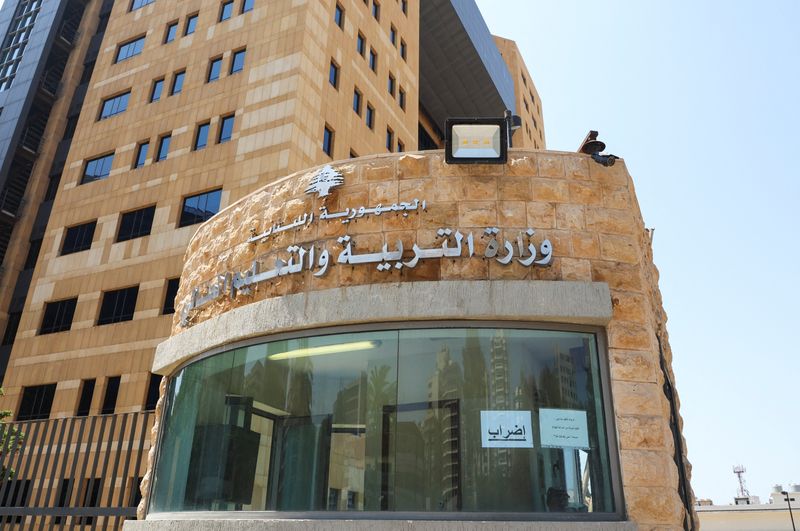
x,y
701,99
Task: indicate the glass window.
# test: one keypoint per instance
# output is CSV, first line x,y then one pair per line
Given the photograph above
x,y
214,69
169,296
237,61
191,24
177,82
155,92
361,44
357,101
151,400
404,6
141,155
376,10
201,137
389,139
391,85
198,208
247,5
163,147
136,224
327,141
226,10
333,75
97,169
338,15
401,147
136,4
58,316
109,405
432,420
130,49
393,35
78,238
403,49
172,32
114,105
370,116
12,325
118,305
225,128
36,402
402,98
373,60
85,402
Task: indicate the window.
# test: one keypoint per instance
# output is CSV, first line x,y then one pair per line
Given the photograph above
x,y
36,402
373,60
33,254
136,4
393,35
198,208
78,238
141,154
237,61
391,85
109,405
12,325
403,49
404,6
16,39
85,402
97,169
226,10
357,101
169,296
114,105
247,5
136,224
214,68
118,305
401,147
333,75
361,44
191,24
327,141
58,316
129,49
201,136
353,154
172,32
402,98
370,116
177,82
155,92
338,15
376,10
151,400
225,128
163,147
389,139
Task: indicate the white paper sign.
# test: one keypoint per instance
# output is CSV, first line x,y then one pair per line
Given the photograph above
x,y
563,428
506,429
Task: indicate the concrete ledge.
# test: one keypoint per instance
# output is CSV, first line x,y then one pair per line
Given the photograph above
x,y
496,300
197,524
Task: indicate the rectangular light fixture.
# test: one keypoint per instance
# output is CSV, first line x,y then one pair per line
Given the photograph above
x,y
476,141
336,348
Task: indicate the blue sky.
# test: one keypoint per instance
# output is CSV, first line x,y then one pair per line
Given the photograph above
x,y
701,99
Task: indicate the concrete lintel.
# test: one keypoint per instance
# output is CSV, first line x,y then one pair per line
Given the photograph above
x,y
587,303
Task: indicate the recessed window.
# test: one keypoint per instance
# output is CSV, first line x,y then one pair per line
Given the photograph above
x,y
169,296
58,316
327,141
370,116
151,400
109,405
172,32
129,49
403,49
226,10
225,128
78,238
199,208
136,224
214,69
156,90
392,83
191,24
97,169
177,82
401,147
333,75
85,402
237,61
36,402
338,15
353,154
361,44
402,98
118,305
389,139
357,101
404,6
373,60
376,10
393,35
201,136
114,105
12,325
33,254
136,4
163,147
141,155
247,5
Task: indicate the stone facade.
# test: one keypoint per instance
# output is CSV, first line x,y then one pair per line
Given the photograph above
x,y
590,214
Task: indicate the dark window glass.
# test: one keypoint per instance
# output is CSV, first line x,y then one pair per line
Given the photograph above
x,y
338,15
403,49
198,208
333,75
97,169
237,61
361,44
130,49
225,128
12,325
402,99
226,10
376,10
118,305
163,147
109,401
353,154
404,6
201,137
151,400
357,101
327,141
136,4
370,116
373,60
393,35
69,129
400,146
247,5
136,224
52,187
158,87
391,84
78,238
389,139
214,69
36,402
85,402
114,105
58,316
141,154
172,32
191,25
33,254
169,296
177,82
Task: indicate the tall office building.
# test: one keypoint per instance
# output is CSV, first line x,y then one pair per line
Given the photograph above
x,y
184,108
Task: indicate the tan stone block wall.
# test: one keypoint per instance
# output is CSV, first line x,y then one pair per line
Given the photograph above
x,y
529,104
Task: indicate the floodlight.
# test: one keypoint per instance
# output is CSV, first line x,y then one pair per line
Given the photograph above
x,y
476,140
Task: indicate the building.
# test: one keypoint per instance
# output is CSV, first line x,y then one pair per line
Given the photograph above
x,y
225,113
772,516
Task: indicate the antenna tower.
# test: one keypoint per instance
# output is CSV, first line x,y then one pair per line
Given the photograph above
x,y
739,470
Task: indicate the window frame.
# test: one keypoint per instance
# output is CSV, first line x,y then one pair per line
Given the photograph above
x,y
93,178
190,23
222,7
41,331
207,125
338,15
134,40
181,223
79,248
115,318
143,145
136,231
161,139
241,52
158,82
178,78
169,37
214,62
333,74
221,128
328,136
117,105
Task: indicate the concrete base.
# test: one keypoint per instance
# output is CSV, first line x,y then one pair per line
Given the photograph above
x,y
197,524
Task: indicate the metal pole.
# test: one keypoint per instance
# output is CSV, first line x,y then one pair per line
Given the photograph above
x,y
789,503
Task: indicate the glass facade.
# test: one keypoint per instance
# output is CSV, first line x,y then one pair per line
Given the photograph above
x,y
433,420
